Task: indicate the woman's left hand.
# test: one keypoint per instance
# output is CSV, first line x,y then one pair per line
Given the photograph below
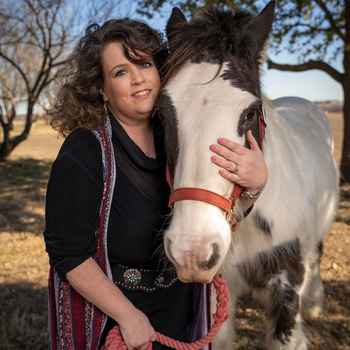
x,y
241,165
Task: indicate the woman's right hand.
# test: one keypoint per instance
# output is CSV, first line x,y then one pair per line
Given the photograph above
x,y
137,331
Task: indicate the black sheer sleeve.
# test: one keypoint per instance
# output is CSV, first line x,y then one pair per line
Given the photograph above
x,y
73,202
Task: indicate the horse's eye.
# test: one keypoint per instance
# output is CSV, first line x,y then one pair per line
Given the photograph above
x,y
251,114
160,115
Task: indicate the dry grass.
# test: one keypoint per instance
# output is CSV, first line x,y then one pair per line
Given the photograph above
x,y
24,263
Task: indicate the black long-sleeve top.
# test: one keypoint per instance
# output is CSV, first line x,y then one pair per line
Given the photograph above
x,y
139,206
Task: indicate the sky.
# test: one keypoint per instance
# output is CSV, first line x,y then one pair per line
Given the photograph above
x,y
314,85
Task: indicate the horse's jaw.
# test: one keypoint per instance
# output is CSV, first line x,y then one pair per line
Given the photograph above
x,y
195,245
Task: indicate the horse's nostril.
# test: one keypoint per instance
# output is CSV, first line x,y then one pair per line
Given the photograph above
x,y
213,260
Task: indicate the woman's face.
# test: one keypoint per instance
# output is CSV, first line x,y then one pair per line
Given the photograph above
x,y
129,89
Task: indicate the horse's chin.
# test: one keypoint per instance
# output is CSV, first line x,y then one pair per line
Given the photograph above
x,y
190,276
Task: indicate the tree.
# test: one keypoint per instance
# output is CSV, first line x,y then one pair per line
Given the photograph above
x,y
36,36
10,92
317,30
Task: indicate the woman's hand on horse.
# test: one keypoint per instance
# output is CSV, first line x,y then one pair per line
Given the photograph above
x,y
241,165
136,331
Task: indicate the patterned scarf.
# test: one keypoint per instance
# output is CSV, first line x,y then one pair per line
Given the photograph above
x,y
75,323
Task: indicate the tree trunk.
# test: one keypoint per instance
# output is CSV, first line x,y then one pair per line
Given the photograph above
x,y
6,145
9,144
345,161
5,150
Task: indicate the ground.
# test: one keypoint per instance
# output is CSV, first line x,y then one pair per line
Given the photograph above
x,y
24,263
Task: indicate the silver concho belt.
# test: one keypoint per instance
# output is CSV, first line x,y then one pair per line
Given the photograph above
x,y
142,279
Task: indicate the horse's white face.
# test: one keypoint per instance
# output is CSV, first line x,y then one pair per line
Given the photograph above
x,y
206,107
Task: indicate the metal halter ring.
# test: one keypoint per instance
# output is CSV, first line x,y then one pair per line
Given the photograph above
x,y
236,170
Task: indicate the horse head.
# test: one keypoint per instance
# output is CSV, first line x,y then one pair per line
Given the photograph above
x,y
211,90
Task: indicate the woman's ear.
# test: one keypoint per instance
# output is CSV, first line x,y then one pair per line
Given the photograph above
x,y
104,96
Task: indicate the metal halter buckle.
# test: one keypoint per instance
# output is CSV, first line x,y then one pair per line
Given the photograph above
x,y
229,215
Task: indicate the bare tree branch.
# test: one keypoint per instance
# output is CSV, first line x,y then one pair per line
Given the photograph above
x,y
16,66
330,19
308,66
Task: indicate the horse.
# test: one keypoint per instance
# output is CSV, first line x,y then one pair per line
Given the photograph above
x,y
213,90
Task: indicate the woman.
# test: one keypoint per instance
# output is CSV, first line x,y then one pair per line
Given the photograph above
x,y
107,196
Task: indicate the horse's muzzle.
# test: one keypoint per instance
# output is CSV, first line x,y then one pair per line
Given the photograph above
x,y
192,265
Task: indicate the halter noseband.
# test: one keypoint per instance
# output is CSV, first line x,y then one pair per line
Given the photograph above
x,y
203,195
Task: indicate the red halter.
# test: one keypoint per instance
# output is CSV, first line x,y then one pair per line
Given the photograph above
x,y
200,194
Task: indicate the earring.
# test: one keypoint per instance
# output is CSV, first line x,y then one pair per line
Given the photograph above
x,y
104,109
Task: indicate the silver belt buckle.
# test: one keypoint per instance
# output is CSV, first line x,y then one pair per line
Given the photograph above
x,y
132,277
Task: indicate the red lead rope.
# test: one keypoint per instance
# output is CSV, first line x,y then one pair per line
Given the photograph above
x,y
114,340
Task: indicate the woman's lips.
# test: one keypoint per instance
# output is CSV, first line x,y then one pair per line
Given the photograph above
x,y
142,93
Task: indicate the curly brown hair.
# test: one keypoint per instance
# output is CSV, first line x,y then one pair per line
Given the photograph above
x,y
79,102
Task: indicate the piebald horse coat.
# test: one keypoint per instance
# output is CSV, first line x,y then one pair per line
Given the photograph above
x,y
213,91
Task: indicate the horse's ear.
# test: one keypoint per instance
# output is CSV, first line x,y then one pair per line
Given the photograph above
x,y
255,34
176,17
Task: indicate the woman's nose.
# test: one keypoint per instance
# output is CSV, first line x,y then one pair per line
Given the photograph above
x,y
137,77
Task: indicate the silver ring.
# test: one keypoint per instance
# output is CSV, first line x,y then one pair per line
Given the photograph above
x,y
236,170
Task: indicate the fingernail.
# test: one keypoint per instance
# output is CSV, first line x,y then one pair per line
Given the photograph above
x,y
213,159
212,147
221,141
221,172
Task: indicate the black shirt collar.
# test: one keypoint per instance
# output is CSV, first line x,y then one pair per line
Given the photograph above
x,y
124,143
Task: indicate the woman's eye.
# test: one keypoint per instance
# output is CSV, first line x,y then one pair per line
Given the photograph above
x,y
146,65
251,114
120,73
